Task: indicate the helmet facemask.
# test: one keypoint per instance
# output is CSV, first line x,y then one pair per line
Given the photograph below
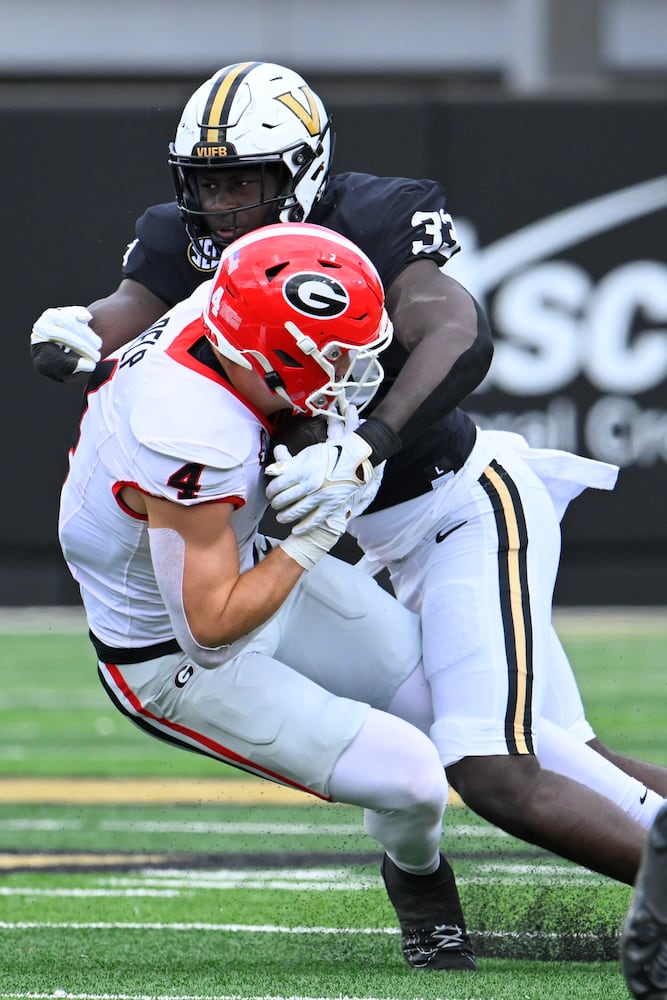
x,y
356,383
202,224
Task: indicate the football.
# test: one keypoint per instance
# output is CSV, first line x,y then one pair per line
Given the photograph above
x,y
298,432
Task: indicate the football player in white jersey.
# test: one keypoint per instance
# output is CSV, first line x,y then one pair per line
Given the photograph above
x,y
297,666
233,173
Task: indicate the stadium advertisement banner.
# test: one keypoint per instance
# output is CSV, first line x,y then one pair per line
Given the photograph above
x,y
581,358
563,219
561,209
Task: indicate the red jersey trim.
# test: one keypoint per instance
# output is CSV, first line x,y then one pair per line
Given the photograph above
x,y
206,744
116,489
234,501
179,351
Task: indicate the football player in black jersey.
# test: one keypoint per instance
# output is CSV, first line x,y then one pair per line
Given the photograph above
x,y
253,147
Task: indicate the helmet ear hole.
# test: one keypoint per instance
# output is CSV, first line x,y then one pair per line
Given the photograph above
x,y
273,272
288,360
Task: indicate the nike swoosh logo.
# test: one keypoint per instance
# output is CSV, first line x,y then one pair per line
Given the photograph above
x,y
339,449
440,537
642,798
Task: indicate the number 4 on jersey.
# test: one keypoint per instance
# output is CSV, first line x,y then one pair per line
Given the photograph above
x,y
186,480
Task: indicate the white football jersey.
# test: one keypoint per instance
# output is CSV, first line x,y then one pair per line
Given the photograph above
x,y
171,426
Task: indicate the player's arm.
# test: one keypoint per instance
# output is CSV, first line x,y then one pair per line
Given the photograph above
x,y
450,349
197,546
67,342
196,560
124,314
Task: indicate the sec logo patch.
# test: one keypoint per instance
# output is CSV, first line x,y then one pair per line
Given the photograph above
x,y
205,256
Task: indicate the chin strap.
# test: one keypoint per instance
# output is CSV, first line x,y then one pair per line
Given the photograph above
x,y
275,383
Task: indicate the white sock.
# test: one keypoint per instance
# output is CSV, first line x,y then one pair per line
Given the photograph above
x,y
559,751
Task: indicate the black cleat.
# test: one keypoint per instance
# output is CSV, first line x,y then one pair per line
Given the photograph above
x,y
644,932
444,946
433,931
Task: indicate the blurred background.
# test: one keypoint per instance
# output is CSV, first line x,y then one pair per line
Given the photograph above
x,y
546,122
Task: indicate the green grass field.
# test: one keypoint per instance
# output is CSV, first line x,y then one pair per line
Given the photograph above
x,y
131,870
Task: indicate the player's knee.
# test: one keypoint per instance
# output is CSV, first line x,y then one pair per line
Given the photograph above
x,y
421,787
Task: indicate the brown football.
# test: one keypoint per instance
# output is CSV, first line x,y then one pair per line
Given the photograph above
x,y
298,432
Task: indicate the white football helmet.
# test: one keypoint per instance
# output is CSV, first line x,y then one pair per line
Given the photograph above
x,y
253,114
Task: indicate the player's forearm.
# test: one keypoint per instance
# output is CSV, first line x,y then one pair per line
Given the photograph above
x,y
220,615
210,603
124,314
464,375
444,367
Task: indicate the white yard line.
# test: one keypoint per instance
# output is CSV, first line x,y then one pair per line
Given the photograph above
x,y
63,995
23,925
227,828
167,882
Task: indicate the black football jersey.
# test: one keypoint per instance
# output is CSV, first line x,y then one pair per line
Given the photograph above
x,y
394,221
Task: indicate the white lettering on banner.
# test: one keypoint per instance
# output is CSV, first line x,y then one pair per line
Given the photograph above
x,y
555,324
616,362
618,430
553,427
615,429
540,315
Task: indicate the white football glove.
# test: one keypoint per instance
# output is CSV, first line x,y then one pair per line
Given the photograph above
x,y
309,545
365,495
63,345
308,487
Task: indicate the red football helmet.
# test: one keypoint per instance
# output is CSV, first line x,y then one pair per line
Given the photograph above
x,y
295,302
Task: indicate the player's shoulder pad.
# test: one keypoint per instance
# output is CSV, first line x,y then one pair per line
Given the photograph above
x,y
192,419
371,194
161,228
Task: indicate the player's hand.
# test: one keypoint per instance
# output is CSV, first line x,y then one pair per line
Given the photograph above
x,y
63,346
364,495
307,487
320,478
307,545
